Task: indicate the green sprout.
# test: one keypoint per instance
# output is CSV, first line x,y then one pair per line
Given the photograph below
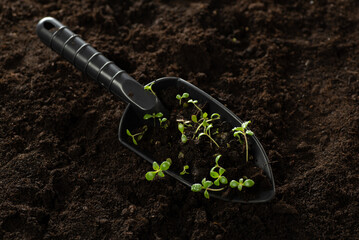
x,y
149,88
165,165
207,132
218,175
204,120
205,185
194,102
137,135
184,170
154,116
181,129
241,183
163,122
238,131
179,97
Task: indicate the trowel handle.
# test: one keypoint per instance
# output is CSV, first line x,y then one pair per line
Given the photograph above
x,y
85,58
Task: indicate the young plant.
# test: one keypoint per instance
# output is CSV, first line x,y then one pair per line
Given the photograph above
x,y
194,102
154,116
205,185
158,169
137,135
181,129
241,183
179,97
184,170
149,88
238,131
163,122
207,132
204,120
218,175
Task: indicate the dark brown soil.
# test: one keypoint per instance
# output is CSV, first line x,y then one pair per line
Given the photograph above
x,y
289,66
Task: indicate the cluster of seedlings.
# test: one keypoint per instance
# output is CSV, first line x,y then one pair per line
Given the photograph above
x,y
202,125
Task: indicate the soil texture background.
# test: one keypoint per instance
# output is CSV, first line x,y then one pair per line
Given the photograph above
x,y
291,67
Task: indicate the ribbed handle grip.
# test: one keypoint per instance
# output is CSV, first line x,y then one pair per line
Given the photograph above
x,y
85,58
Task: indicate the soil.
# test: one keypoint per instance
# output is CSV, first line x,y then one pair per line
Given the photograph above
x,y
289,66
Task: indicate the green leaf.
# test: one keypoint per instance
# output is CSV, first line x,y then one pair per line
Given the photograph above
x,y
159,115
134,141
150,176
186,167
233,184
205,123
200,135
236,129
140,137
196,187
223,180
215,116
207,184
240,186
194,118
155,166
185,95
203,181
214,174
221,171
209,126
206,194
147,87
248,183
163,119
128,133
241,181
205,115
165,166
181,127
217,158
169,160
249,132
161,174
216,182
178,96
245,124
147,116
183,138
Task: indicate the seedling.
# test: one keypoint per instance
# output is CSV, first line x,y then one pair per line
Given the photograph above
x,y
149,88
194,102
181,129
163,122
218,175
238,131
179,97
204,120
205,185
241,183
165,165
154,116
207,132
137,135
184,170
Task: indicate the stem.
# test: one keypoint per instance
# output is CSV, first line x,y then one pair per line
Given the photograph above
x,y
245,139
215,189
212,139
197,107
